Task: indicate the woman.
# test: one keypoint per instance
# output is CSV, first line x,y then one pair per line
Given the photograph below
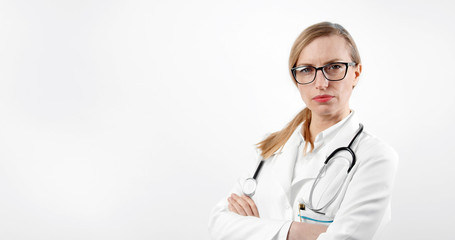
x,y
299,191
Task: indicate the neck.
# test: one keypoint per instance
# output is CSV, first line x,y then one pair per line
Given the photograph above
x,y
320,123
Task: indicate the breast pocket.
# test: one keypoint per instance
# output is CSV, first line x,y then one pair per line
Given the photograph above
x,y
308,216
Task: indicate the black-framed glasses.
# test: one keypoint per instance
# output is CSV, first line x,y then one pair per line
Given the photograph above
x,y
335,71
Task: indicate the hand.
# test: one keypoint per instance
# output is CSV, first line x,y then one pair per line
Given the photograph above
x,y
305,231
242,205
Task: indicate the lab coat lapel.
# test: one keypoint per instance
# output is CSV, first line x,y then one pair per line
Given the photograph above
x,y
341,139
344,136
285,161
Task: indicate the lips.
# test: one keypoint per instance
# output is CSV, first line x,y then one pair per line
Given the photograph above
x,y
323,98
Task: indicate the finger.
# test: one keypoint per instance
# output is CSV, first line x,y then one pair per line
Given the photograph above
x,y
231,208
244,204
252,205
241,205
238,209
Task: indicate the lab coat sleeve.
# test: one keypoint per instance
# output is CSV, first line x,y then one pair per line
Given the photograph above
x,y
367,197
224,224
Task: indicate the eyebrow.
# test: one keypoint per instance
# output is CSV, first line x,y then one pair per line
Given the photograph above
x,y
330,61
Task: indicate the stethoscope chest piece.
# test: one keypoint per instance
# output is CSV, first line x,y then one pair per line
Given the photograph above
x,y
249,187
250,184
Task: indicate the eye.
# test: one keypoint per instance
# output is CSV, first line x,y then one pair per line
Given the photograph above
x,y
304,70
335,66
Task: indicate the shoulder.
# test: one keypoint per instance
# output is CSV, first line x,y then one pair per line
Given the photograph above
x,y
372,149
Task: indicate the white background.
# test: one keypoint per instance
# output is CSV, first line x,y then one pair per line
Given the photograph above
x,y
131,119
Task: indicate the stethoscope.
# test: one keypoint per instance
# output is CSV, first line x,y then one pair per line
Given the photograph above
x,y
250,184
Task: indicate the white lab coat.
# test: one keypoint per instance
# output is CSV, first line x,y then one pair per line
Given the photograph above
x,y
359,212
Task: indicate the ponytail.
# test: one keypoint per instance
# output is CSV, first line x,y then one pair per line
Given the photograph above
x,y
277,140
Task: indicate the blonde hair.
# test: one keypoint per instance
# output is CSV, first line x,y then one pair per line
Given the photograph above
x,y
276,140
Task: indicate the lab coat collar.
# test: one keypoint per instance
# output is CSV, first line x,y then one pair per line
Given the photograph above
x,y
327,135
284,161
343,136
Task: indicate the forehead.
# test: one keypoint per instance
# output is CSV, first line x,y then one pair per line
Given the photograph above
x,y
323,50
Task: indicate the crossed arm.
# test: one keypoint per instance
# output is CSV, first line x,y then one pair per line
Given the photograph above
x,y
245,206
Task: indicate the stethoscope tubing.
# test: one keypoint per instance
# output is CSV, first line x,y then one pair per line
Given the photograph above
x,y
318,178
316,181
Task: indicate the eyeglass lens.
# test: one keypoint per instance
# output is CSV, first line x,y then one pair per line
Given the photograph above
x,y
333,72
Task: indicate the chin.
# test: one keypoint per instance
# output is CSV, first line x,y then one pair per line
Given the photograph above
x,y
328,110
323,110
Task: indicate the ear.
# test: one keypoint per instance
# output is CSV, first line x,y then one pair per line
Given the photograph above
x,y
357,72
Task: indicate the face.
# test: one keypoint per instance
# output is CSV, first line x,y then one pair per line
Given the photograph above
x,y
328,99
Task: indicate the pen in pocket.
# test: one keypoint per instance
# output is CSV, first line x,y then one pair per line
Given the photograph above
x,y
301,208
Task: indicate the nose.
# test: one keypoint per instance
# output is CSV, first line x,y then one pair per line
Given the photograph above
x,y
320,81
